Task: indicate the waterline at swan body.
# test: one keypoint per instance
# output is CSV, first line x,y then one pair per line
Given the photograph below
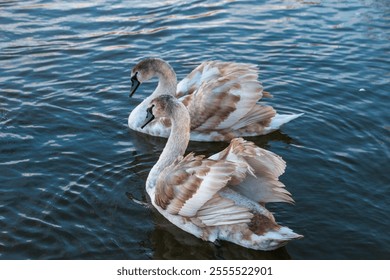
x,y
221,97
220,197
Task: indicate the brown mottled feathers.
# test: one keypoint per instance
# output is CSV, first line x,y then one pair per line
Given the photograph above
x,y
261,224
188,184
183,189
265,167
222,96
189,187
210,110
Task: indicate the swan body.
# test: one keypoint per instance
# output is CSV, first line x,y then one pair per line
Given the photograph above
x,y
221,197
221,97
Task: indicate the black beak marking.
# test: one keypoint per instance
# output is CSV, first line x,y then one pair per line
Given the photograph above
x,y
134,84
149,116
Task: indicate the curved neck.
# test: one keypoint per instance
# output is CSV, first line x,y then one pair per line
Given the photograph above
x,y
176,145
167,81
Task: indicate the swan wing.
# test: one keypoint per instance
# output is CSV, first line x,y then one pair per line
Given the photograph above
x,y
186,185
221,95
221,211
263,169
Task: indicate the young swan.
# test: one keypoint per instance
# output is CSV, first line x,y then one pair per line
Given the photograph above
x,y
220,197
221,98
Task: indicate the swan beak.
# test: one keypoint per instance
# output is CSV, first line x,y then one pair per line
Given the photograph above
x,y
134,84
149,116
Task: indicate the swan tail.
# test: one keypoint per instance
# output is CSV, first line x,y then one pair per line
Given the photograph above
x,y
280,119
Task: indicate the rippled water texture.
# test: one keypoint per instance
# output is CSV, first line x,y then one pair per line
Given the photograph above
x,y
72,174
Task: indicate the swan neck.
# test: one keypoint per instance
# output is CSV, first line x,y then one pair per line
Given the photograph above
x,y
177,142
167,81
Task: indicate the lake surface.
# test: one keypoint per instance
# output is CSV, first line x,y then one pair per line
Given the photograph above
x,y
71,172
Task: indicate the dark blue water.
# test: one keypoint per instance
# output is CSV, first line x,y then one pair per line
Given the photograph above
x,y
71,170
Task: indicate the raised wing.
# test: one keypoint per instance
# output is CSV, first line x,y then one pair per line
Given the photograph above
x,y
263,168
223,95
220,211
185,186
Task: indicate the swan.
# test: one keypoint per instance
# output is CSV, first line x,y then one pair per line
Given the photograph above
x,y
221,98
221,197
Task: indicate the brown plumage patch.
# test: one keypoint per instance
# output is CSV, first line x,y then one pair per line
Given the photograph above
x,y
260,224
267,94
223,135
187,100
192,89
166,122
184,192
178,183
176,190
219,106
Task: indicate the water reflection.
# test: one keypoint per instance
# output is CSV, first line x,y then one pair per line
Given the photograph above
x,y
144,143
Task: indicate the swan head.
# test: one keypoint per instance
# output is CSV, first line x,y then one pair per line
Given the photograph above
x,y
160,107
141,72
147,69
